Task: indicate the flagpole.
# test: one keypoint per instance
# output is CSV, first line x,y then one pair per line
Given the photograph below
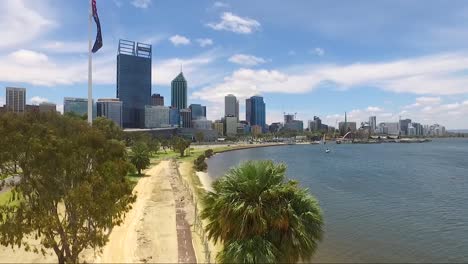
x,y
90,67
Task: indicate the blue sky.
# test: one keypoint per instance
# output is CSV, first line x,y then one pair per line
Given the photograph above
x,y
385,58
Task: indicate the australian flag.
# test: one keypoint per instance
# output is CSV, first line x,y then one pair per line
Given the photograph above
x,y
98,42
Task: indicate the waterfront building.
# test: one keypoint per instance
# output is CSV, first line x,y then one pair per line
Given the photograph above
x,y
316,124
436,130
179,92
218,126
133,81
404,126
46,107
157,99
78,106
255,111
346,127
294,125
110,109
389,128
256,130
185,118
231,106
197,111
202,123
418,129
373,123
288,118
174,117
15,100
275,127
231,125
156,116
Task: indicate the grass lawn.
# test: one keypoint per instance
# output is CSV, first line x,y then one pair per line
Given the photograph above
x,y
5,198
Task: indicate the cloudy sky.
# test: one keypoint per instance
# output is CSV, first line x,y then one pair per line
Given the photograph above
x,y
385,58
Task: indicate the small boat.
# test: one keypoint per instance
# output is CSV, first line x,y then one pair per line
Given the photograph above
x,y
327,151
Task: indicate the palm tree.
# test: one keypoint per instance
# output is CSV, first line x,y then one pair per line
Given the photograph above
x,y
260,217
140,157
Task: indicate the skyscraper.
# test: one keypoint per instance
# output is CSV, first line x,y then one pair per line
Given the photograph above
x,y
186,118
133,81
179,92
110,109
15,100
255,111
157,99
197,111
373,123
78,106
231,106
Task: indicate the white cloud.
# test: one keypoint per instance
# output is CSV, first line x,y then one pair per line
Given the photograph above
x,y
60,108
234,23
65,47
38,100
20,24
28,57
428,100
218,4
2,101
318,51
204,42
179,40
141,3
247,60
374,109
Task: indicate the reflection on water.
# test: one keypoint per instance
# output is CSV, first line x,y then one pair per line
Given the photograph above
x,y
383,202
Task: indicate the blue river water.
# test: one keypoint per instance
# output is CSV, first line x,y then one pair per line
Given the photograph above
x,y
381,202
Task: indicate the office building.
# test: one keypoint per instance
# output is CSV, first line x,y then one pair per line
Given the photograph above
x,y
15,100
78,106
389,128
231,106
110,109
275,127
255,111
185,118
157,116
47,107
294,125
346,127
204,111
174,117
202,123
373,124
231,125
157,99
288,118
404,126
316,124
179,92
197,111
32,108
218,126
133,81
256,130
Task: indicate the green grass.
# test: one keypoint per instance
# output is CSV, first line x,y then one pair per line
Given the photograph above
x,y
5,198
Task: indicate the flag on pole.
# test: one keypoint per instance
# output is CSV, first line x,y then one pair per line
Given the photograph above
x,y
98,42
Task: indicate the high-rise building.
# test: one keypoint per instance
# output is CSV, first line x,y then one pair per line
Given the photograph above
x,y
77,106
294,125
204,111
389,128
231,106
15,100
218,125
110,109
133,81
255,111
174,117
197,111
157,99
288,118
346,127
186,118
46,107
316,124
373,123
157,116
231,125
404,126
179,92
202,123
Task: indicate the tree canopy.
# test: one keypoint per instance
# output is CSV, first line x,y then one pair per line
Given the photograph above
x,y
72,189
259,216
140,156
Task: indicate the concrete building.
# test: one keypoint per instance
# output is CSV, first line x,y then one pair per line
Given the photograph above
x,y
134,81
110,109
15,100
197,111
373,123
202,123
174,117
404,126
157,99
288,118
256,130
294,125
218,126
179,92
389,128
436,130
231,106
316,124
275,127
231,125
185,118
156,116
47,107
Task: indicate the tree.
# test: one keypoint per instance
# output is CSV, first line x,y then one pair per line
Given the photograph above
x,y
140,157
258,216
72,190
209,153
180,145
165,144
200,164
154,146
109,128
199,137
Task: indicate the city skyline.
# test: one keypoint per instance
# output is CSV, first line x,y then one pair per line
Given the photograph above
x,y
327,74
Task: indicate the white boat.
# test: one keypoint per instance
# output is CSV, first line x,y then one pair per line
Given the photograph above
x,y
327,151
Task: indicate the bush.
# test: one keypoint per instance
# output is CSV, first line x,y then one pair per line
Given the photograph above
x,y
209,153
200,164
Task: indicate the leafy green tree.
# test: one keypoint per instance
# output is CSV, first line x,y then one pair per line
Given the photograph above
x,y
180,145
199,137
72,190
165,144
109,128
154,145
140,157
209,153
200,164
260,217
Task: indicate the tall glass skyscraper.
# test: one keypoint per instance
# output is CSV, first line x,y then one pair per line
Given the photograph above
x,y
198,111
133,81
111,109
255,111
179,92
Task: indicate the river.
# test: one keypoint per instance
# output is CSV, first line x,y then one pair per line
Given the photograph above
x,y
381,202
